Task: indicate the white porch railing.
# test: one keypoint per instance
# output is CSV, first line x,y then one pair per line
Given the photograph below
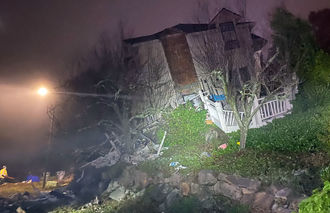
x,y
225,119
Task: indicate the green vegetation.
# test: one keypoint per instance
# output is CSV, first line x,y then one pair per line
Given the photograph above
x,y
296,42
296,133
186,205
325,174
184,125
319,202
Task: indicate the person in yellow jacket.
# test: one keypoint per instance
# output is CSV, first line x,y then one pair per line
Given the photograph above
x,y
3,174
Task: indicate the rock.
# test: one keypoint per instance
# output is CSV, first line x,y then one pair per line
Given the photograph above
x,y
172,197
246,191
206,177
162,207
175,180
252,185
277,209
247,199
158,192
158,179
281,196
140,180
228,190
127,177
195,188
20,210
209,204
112,186
222,177
185,189
263,201
118,194
140,193
294,204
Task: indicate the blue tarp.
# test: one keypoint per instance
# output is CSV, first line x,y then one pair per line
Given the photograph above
x,y
33,178
217,97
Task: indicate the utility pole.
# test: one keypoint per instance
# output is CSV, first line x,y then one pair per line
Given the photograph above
x,y
51,115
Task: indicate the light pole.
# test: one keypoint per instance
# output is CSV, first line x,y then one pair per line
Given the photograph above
x,y
51,114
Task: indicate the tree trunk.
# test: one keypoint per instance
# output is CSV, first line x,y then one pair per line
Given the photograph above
x,y
244,131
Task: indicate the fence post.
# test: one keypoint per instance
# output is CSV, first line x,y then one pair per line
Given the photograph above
x,y
256,120
221,116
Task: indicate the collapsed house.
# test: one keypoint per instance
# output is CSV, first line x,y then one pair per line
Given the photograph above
x,y
170,74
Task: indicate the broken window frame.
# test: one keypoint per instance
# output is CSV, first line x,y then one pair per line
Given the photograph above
x,y
229,35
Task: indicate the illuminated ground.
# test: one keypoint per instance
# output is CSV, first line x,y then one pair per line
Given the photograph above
x,y
8,190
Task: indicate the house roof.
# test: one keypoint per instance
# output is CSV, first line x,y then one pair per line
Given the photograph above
x,y
258,42
224,11
190,28
186,28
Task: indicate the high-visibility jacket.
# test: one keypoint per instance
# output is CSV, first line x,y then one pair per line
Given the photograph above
x,y
3,173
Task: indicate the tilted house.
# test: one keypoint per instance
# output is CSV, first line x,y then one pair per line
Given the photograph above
x,y
169,68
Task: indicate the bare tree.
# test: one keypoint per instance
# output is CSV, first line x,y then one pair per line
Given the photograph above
x,y
241,90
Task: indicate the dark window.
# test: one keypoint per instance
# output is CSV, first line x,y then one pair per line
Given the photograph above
x,y
233,78
228,26
229,45
244,74
229,35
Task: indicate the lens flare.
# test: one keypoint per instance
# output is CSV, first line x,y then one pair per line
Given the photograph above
x,y
42,91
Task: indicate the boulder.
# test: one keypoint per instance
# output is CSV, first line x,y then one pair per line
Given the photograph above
x,y
118,194
209,204
294,204
206,177
113,186
174,180
140,180
194,188
172,197
228,190
127,177
158,193
281,196
185,189
278,209
263,202
252,185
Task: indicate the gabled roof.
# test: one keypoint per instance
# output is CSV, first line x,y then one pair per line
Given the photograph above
x,y
223,12
186,28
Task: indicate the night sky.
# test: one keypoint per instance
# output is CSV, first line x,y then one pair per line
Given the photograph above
x,y
40,39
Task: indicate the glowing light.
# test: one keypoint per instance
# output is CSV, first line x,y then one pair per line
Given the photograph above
x,y
42,91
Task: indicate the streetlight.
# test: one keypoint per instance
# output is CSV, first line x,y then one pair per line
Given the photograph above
x,y
42,91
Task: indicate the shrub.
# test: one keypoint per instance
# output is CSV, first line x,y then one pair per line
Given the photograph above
x,y
319,202
325,174
184,125
295,133
311,95
186,205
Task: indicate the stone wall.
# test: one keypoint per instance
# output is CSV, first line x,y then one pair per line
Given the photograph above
x,y
206,186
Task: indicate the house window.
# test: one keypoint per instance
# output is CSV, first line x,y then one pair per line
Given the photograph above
x,y
244,74
233,78
229,35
